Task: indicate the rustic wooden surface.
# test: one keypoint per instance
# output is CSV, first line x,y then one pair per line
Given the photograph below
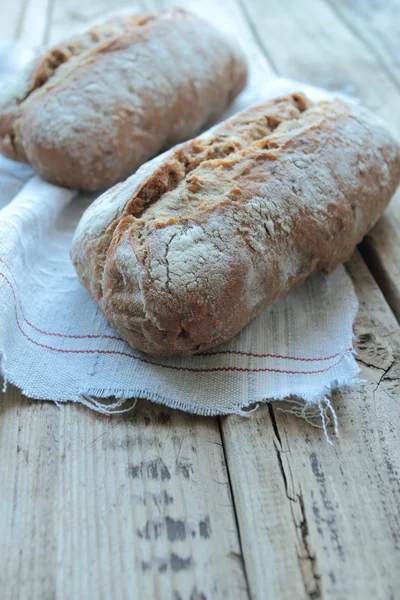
x,y
158,504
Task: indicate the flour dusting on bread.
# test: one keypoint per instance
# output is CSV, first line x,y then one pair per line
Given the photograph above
x,y
93,109
217,229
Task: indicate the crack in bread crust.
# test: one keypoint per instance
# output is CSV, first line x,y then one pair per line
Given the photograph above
x,y
250,127
183,254
43,69
95,40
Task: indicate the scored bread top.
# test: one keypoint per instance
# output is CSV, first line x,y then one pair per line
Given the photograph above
x,y
155,191
92,109
186,251
46,69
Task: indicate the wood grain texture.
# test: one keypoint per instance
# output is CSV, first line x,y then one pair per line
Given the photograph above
x,y
10,20
144,505
134,506
39,13
377,25
321,513
381,251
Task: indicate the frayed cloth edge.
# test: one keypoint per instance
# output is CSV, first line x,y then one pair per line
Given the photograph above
x,y
297,404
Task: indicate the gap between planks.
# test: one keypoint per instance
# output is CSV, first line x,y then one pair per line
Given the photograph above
x,y
384,373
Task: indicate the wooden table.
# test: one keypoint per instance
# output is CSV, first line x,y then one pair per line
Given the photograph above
x,y
160,504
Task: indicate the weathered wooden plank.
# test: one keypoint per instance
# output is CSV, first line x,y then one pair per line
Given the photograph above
x,y
11,15
39,13
133,506
326,516
377,25
306,41
381,251
271,540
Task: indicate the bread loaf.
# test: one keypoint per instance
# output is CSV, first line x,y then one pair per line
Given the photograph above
x,y
91,110
184,253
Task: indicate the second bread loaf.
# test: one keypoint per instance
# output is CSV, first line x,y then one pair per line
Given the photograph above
x,y
94,108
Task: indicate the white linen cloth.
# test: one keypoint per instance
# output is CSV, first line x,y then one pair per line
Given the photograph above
x,y
55,344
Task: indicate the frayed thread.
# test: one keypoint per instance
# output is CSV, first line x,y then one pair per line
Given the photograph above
x,y
107,409
319,414
3,371
247,413
323,419
334,417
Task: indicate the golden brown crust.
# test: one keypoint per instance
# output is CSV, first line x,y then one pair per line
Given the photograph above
x,y
41,69
183,254
92,109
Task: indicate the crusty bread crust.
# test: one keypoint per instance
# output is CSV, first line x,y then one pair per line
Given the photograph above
x,y
91,110
184,253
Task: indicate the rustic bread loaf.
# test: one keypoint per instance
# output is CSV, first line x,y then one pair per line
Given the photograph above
x,y
185,252
91,110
